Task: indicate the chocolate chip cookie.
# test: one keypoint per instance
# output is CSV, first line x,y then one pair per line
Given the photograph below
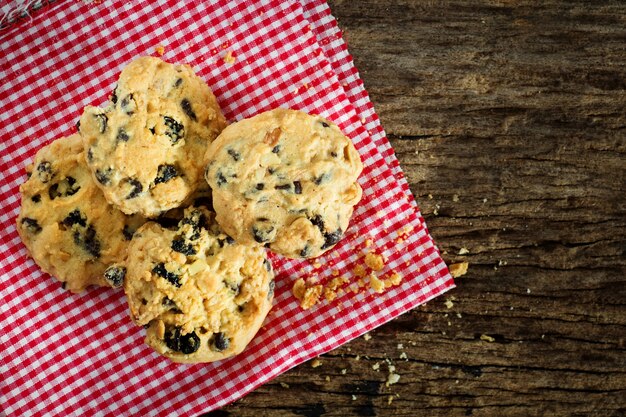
x,y
66,224
201,296
284,179
145,150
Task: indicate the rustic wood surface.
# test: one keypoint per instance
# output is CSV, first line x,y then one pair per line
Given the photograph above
x,y
518,111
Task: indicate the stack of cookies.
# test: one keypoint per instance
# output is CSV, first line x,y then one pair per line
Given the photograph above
x,y
157,194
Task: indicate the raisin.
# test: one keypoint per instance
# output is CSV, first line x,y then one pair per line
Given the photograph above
x,y
186,105
165,173
220,342
283,187
270,292
88,241
75,217
186,343
324,124
104,176
196,220
230,240
178,82
262,230
128,104
173,279
179,245
297,187
44,171
221,179
267,265
260,186
234,154
175,130
67,188
332,238
114,275
276,149
122,136
31,225
102,120
36,198
114,95
136,190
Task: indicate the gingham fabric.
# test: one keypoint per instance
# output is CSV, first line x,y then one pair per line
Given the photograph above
x,y
65,354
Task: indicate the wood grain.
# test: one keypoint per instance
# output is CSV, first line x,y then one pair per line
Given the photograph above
x,y
509,121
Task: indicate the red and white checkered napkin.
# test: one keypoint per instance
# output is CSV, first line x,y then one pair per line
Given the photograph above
x,y
80,354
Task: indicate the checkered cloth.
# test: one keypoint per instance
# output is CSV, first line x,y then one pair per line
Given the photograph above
x,y
65,354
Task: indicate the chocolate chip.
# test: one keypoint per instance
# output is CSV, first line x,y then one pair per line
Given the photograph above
x,y
102,121
178,82
63,188
271,171
75,217
318,221
161,271
306,251
175,130
324,124
152,130
104,176
196,220
88,241
78,125
114,95
262,230
233,287
179,245
228,240
270,292
90,155
128,105
236,156
260,186
31,225
267,265
297,187
165,173
122,136
36,198
220,342
186,105
171,305
322,178
221,179
136,190
114,275
276,149
332,238
333,154
184,343
283,187
44,171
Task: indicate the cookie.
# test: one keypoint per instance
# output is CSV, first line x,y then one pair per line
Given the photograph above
x,y
201,296
145,150
66,224
284,179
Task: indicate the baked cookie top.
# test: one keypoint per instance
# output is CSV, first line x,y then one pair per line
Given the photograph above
x,y
65,222
146,149
284,179
202,296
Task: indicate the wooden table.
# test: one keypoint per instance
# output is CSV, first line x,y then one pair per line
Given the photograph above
x,y
509,120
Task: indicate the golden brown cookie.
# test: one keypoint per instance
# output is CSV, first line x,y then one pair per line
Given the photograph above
x,y
65,222
284,179
145,150
202,296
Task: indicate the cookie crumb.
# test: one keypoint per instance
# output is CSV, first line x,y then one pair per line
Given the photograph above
x,y
455,198
359,271
367,336
368,243
464,251
284,385
374,261
308,296
317,265
393,377
458,269
449,304
229,58
393,279
403,356
376,284
160,50
353,397
327,379
487,338
376,366
316,363
344,371
389,400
